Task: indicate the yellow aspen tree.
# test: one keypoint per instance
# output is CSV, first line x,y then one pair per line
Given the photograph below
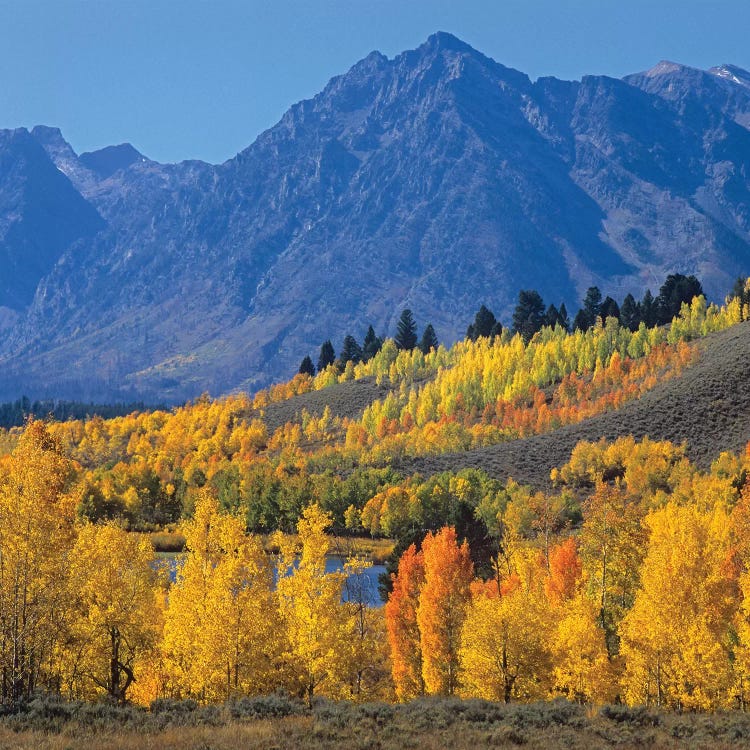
x,y
740,529
676,638
112,583
219,636
742,649
443,599
505,640
153,679
37,532
241,628
365,673
582,671
612,544
312,615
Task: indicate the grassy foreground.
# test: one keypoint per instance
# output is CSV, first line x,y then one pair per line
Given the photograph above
x,y
278,723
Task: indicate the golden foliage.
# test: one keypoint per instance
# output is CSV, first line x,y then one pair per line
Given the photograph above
x,y
218,638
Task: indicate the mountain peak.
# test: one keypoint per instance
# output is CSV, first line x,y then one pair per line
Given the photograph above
x,y
432,180
665,67
106,161
54,143
62,154
49,136
446,41
732,73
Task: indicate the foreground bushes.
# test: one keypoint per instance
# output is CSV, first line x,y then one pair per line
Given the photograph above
x,y
287,723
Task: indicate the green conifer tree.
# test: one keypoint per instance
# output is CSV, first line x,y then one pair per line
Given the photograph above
x,y
406,331
429,340
307,367
327,355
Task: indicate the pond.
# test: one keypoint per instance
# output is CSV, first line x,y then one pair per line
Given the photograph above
x,y
367,583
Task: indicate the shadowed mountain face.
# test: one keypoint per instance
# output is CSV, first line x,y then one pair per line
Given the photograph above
x,y
437,180
41,214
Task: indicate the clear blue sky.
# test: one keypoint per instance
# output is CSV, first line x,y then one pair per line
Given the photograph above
x,y
185,79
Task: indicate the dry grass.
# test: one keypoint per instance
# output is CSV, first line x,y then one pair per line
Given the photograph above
x,y
376,551
426,723
167,541
306,732
343,399
263,734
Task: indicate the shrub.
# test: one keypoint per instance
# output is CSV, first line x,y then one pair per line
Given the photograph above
x,y
639,716
265,707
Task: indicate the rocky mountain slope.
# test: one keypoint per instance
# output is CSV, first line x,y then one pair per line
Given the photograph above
x,y
437,180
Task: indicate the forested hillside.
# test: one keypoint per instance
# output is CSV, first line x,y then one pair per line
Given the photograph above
x,y
619,575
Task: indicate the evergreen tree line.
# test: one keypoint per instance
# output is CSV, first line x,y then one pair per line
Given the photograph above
x,y
531,314
15,413
406,338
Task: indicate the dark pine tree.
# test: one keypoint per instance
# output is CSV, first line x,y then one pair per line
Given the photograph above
x,y
676,289
484,321
581,321
528,317
552,316
497,329
350,351
648,309
307,367
327,356
429,339
609,309
371,345
592,304
563,318
630,315
406,331
741,291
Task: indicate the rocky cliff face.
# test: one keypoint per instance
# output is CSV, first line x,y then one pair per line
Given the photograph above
x,y
437,180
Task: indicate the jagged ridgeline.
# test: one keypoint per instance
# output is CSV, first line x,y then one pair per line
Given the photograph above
x,y
429,181
607,573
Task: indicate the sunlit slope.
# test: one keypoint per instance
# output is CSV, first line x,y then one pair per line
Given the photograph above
x,y
346,400
707,406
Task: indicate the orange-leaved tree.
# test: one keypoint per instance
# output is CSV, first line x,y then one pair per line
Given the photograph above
x,y
564,572
448,572
401,621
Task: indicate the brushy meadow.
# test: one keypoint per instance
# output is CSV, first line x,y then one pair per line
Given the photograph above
x,y
280,722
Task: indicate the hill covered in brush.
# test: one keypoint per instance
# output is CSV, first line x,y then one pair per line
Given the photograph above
x,y
611,574
513,409
533,515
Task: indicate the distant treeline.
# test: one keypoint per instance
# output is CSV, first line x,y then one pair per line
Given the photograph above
x,y
530,316
15,413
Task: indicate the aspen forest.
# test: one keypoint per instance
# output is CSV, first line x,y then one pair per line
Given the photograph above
x,y
623,579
